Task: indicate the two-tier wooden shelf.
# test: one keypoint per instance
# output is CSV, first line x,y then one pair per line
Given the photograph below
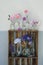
x,y
32,58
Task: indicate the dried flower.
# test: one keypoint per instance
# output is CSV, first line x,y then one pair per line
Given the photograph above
x,y
25,11
24,18
17,15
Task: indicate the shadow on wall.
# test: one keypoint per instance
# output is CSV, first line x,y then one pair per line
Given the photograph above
x,y
3,48
40,50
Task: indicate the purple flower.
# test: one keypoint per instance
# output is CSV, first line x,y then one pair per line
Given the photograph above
x,y
19,29
24,18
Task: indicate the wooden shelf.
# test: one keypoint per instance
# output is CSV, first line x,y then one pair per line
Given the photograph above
x,y
30,60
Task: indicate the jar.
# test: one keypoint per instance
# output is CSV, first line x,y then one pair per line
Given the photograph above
x,y
12,26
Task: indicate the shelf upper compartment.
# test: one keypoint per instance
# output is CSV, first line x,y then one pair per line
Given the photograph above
x,y
34,44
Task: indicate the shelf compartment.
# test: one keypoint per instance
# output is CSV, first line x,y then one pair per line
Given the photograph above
x,y
23,61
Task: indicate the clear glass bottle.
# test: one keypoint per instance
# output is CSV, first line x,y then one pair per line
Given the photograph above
x,y
12,26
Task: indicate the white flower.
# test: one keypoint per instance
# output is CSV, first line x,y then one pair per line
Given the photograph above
x,y
17,40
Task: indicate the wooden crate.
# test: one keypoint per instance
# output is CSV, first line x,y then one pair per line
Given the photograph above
x,y
22,60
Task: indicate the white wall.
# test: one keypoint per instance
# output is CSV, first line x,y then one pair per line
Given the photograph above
x,y
3,48
10,6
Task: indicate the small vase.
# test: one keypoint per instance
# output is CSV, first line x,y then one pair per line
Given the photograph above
x,y
35,27
12,26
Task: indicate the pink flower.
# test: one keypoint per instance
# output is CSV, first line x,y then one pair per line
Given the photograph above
x,y
17,16
12,18
26,11
34,22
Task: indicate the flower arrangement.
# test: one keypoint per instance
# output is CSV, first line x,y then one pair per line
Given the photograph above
x,y
20,21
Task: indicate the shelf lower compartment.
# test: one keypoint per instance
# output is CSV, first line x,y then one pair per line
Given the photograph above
x,y
23,60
